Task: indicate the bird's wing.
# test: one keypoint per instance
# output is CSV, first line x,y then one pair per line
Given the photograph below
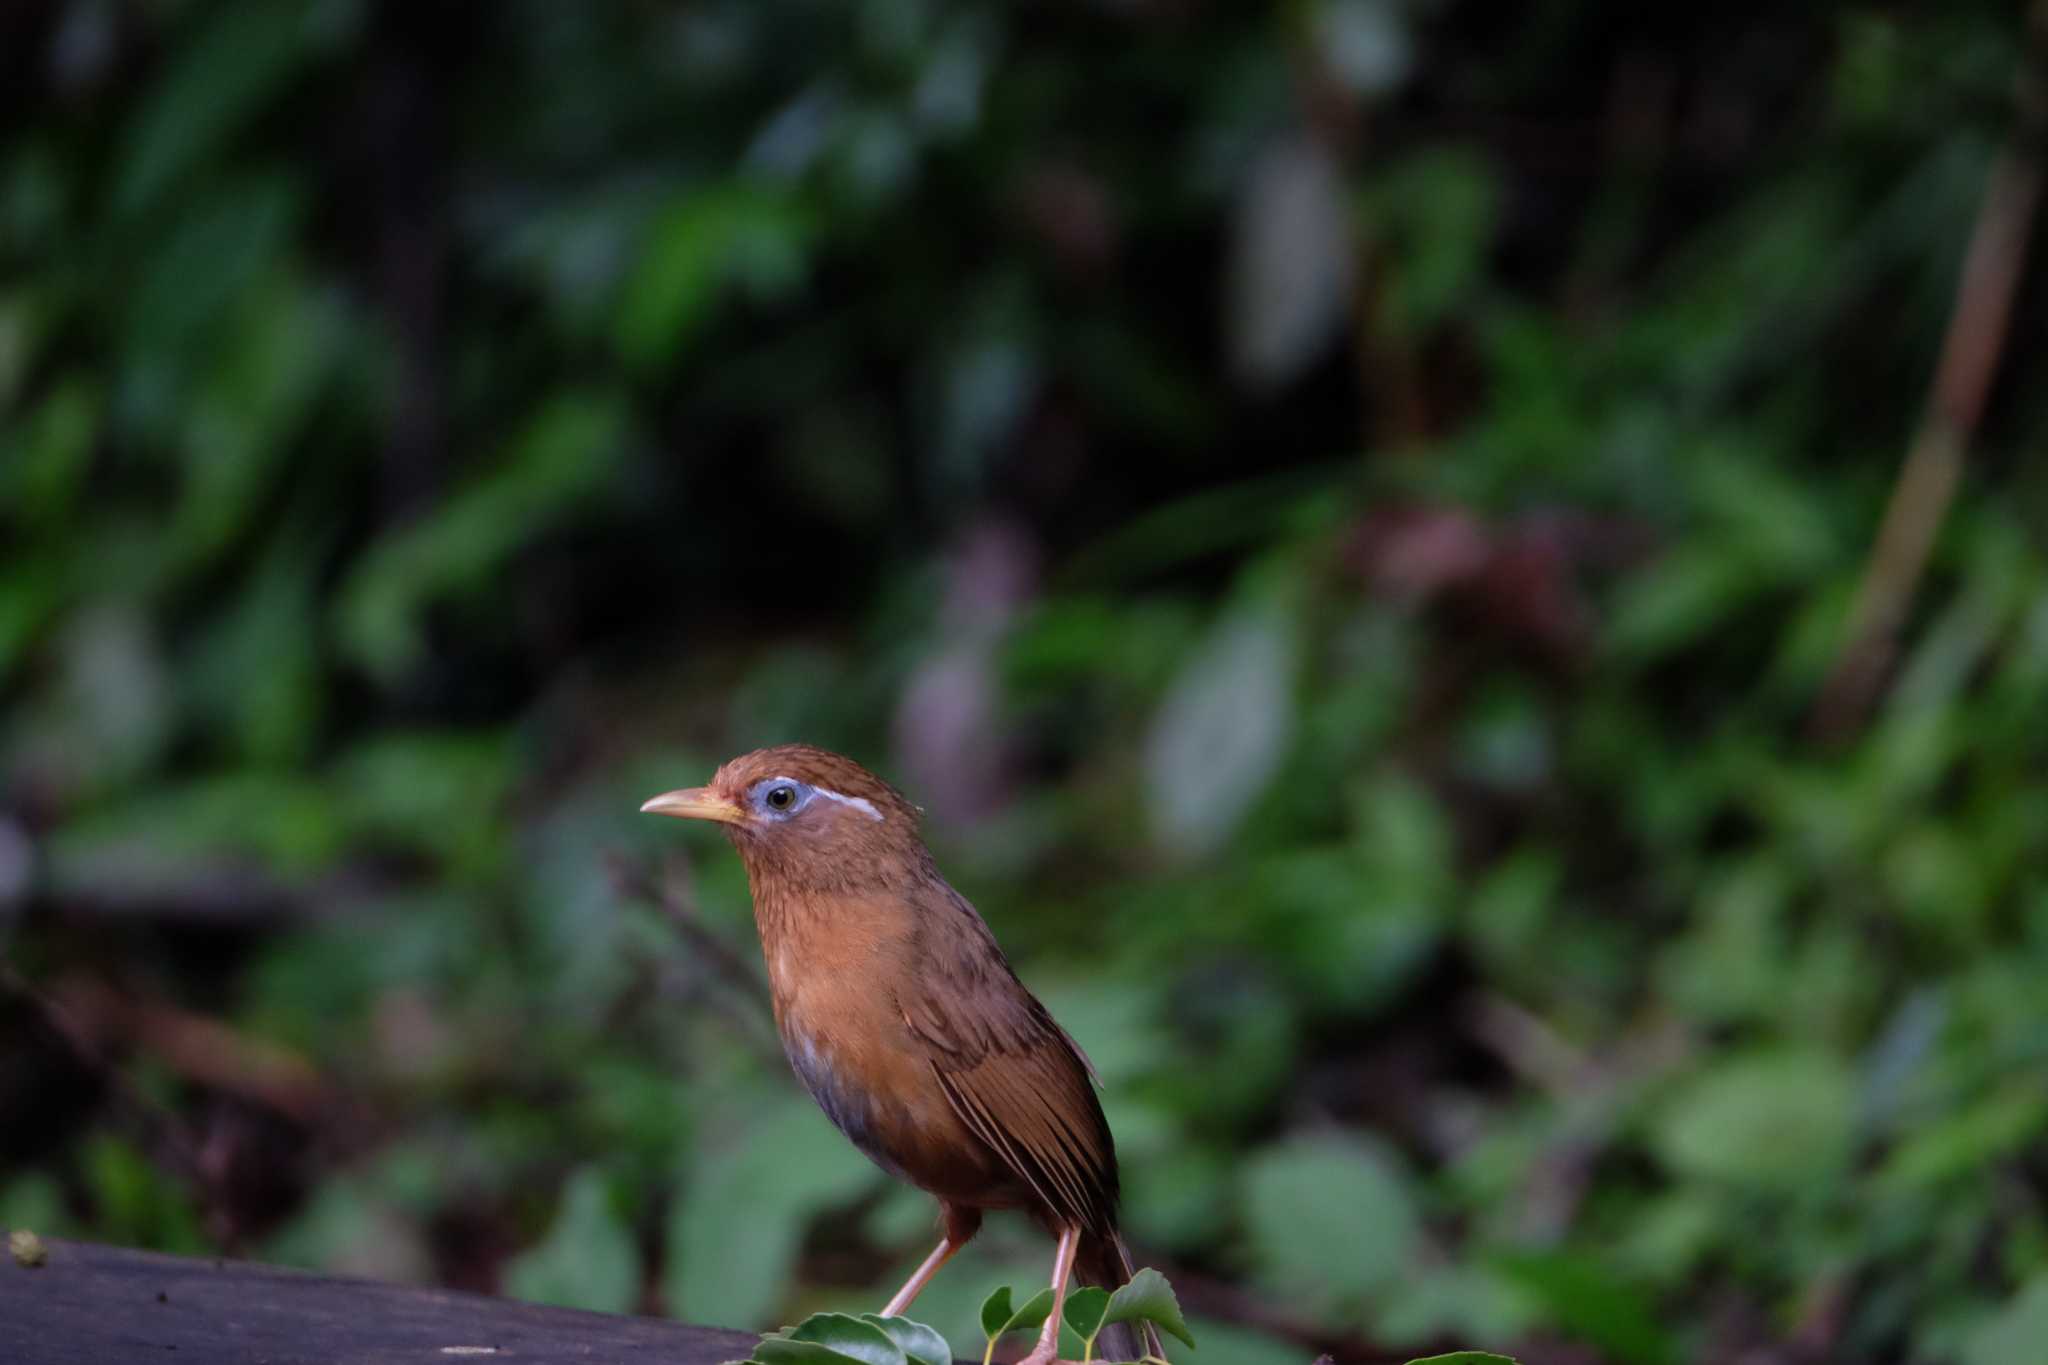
x,y
1012,1075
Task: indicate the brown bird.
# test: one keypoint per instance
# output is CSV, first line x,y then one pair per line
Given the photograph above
x,y
900,1014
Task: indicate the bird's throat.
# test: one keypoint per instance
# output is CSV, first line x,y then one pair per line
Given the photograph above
x,y
816,930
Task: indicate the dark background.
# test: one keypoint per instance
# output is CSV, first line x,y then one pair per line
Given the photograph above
x,y
1350,515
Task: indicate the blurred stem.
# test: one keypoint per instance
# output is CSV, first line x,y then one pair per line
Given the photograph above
x,y
406,131
155,1129
1393,413
1970,354
671,895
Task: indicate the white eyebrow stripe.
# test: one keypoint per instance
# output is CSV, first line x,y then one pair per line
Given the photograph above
x,y
859,803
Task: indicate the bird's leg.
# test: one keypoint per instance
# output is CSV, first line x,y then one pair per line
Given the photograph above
x,y
913,1286
961,1224
1047,1351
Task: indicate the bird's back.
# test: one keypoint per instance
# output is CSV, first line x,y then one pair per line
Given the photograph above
x,y
1015,1077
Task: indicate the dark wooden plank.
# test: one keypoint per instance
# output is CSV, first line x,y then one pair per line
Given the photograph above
x,y
97,1305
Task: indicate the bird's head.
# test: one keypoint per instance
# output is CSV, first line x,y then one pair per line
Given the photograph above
x,y
805,814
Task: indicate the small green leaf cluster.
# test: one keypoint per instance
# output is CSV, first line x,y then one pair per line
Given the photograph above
x,y
869,1339
846,1339
1146,1298
999,1318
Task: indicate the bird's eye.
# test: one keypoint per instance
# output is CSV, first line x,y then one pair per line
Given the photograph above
x,y
781,798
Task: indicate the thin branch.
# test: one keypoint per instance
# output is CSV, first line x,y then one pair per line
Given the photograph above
x,y
127,882
1590,1092
672,895
1969,361
156,1128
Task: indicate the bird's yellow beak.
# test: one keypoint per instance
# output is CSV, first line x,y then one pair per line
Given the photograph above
x,y
695,803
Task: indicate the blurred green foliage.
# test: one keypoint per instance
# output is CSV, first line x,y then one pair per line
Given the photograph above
x,y
1341,511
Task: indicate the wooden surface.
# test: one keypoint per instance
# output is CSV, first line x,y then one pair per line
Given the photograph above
x,y
96,1305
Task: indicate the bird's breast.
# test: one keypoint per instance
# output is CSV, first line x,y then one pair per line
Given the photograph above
x,y
848,1099
878,1087
839,972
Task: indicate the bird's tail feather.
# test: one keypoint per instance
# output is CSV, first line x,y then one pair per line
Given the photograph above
x,y
1103,1261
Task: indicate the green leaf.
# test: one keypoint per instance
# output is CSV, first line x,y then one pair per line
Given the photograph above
x,y
923,1345
255,673
851,1337
213,258
1083,1311
350,1228
276,348
737,1229
440,793
1775,1119
1464,1358
1677,601
1032,1313
220,80
707,241
1222,731
559,457
587,1260
1588,1302
1228,1344
35,1200
43,471
996,1312
1964,1144
28,600
1437,210
998,1318
2015,1332
1149,1298
137,1203
1330,1219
